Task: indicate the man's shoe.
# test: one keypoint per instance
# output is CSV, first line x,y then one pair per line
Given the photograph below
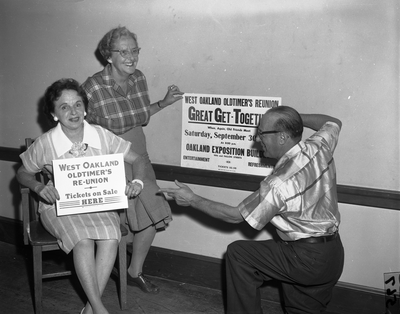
x,y
143,283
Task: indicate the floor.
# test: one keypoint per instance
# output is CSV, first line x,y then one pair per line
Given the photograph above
x,y
63,295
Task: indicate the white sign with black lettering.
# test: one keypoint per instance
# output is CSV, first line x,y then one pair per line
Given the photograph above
x,y
219,133
90,184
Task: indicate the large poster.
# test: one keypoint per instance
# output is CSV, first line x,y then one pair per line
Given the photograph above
x,y
90,184
219,133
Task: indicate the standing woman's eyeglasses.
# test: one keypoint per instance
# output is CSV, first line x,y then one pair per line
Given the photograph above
x,y
125,52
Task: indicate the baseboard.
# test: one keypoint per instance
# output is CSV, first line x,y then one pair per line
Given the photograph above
x,y
209,272
200,270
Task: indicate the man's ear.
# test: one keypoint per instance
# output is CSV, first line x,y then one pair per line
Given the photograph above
x,y
283,137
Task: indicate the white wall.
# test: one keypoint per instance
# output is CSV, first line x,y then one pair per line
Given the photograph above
x,y
336,57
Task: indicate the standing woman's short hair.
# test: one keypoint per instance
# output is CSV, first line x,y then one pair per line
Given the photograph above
x,y
54,91
106,44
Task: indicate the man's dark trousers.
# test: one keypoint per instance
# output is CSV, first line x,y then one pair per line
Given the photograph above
x,y
308,272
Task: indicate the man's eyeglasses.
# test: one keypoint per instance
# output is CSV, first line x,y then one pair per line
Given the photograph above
x,y
125,52
259,132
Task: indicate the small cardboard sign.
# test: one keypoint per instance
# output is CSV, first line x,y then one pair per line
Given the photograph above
x,y
90,184
392,292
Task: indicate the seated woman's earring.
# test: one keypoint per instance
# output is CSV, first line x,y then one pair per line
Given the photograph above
x,y
85,114
55,118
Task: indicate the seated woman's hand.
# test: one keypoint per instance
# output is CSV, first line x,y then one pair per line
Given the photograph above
x,y
47,192
133,189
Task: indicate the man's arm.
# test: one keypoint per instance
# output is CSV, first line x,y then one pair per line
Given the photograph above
x,y
184,196
316,121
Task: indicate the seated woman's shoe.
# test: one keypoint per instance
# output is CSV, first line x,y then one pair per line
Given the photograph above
x,y
143,283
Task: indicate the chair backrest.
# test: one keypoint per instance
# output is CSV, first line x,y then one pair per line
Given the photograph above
x,y
30,202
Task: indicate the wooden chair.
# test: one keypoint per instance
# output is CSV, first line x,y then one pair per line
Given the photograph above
x,y
41,241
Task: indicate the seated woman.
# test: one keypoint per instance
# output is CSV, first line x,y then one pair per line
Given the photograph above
x,y
66,103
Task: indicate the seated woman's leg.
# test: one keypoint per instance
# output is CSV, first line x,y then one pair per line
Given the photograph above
x,y
105,259
85,266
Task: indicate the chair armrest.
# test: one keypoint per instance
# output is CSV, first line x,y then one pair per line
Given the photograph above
x,y
122,216
24,190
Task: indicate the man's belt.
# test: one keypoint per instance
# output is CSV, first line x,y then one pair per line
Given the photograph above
x,y
322,239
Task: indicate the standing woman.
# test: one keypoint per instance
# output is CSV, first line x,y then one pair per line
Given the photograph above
x,y
119,101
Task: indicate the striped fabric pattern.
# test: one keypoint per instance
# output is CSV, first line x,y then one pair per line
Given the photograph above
x,y
69,230
299,197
